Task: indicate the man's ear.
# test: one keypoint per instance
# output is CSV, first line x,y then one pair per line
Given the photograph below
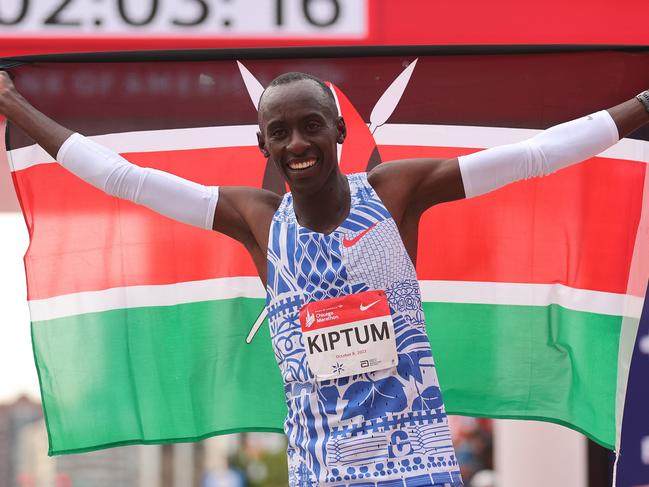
x,y
342,130
261,143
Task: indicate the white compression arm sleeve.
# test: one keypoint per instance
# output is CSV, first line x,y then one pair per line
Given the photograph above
x,y
551,150
165,193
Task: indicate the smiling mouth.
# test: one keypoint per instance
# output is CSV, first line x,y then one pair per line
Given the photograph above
x,y
301,164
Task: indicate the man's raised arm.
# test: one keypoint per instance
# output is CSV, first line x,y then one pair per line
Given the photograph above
x,y
431,181
170,195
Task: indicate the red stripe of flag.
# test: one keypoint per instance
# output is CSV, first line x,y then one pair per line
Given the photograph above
x,y
577,228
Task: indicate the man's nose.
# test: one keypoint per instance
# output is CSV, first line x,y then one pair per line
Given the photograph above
x,y
297,144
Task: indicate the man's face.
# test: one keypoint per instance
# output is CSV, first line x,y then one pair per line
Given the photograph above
x,y
299,130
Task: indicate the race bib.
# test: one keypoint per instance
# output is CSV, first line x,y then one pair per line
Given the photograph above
x,y
348,335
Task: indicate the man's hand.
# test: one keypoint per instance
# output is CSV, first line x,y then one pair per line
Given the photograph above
x,y
7,91
45,131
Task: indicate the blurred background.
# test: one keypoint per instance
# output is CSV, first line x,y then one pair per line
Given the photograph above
x,y
491,453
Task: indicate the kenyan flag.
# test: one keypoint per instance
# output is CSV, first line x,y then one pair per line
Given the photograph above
x,y
140,324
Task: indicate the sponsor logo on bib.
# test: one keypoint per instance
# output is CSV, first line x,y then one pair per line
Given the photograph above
x,y
365,308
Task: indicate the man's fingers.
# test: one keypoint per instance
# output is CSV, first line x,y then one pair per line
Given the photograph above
x,y
6,89
6,80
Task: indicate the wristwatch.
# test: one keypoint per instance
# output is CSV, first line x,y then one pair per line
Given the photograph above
x,y
644,99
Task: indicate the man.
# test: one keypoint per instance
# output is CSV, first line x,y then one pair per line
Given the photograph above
x,y
336,255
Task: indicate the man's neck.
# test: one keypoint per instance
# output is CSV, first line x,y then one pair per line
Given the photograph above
x,y
326,209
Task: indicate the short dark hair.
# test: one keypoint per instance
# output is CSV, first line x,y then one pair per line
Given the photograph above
x,y
286,78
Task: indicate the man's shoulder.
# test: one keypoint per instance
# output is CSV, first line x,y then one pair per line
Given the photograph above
x,y
244,213
255,206
381,175
251,196
269,198
268,202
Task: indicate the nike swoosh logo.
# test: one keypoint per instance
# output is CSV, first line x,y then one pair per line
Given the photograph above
x,y
366,307
350,242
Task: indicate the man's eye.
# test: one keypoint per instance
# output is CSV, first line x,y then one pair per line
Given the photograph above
x,y
312,126
277,133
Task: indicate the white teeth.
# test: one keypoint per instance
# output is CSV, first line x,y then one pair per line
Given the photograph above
x,y
302,164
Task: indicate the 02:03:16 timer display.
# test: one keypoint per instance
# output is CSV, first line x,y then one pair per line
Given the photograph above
x,y
238,17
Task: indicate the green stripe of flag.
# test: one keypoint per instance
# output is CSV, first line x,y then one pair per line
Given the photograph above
x,y
157,373
535,362
528,362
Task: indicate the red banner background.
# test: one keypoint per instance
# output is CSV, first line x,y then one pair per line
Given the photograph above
x,y
410,22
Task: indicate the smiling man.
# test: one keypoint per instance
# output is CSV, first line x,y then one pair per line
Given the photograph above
x,y
337,257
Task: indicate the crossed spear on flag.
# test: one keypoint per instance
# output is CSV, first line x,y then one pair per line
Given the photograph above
x,y
380,114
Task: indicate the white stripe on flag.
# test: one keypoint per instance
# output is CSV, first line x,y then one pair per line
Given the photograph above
x,y
143,296
523,294
151,141
486,137
250,287
389,134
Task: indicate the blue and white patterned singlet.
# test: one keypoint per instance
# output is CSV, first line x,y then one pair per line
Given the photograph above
x,y
383,429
